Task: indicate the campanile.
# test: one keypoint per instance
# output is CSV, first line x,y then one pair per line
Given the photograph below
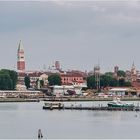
x,y
20,58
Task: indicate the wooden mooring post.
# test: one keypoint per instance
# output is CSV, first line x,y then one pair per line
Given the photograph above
x,y
40,136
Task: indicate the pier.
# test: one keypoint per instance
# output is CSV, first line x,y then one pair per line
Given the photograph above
x,y
103,108
100,108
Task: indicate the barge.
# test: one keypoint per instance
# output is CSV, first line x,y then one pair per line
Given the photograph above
x,y
53,105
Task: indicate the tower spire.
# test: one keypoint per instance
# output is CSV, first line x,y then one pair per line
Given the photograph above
x,y
133,69
20,46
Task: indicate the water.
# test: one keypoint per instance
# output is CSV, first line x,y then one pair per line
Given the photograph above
x,y
22,121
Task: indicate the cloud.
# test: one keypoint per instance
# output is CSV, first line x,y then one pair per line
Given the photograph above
x,y
78,33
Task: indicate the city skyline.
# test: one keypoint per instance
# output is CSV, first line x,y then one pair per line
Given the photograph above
x,y
78,34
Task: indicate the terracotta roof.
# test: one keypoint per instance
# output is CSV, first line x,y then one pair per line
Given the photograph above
x,y
72,75
32,74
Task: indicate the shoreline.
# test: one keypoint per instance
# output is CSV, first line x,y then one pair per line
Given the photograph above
x,y
70,99
66,99
4,100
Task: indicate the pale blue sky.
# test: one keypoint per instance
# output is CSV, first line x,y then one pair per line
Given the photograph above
x,y
78,34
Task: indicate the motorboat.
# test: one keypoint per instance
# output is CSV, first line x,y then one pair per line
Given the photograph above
x,y
53,105
116,103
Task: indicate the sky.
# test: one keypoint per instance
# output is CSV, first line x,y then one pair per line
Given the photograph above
x,y
79,34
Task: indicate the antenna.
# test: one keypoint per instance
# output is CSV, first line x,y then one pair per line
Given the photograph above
x,y
97,76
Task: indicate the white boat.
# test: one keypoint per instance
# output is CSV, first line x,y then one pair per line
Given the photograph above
x,y
53,105
118,104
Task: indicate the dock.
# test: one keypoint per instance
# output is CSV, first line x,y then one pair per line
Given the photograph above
x,y
105,108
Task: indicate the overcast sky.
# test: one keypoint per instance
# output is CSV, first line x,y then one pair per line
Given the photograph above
x,y
78,34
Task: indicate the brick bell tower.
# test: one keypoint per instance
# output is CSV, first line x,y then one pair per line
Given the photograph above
x,y
20,58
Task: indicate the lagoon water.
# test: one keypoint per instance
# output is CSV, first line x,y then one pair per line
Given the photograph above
x,y
22,121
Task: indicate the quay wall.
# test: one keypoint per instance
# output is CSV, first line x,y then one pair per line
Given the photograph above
x,y
89,99
17,100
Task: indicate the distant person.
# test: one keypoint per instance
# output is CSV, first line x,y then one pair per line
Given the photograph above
x,y
40,136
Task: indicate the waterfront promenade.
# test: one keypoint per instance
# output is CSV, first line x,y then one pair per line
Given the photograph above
x,y
18,100
38,98
93,98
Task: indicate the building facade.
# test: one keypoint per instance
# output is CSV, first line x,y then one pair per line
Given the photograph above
x,y
73,79
35,78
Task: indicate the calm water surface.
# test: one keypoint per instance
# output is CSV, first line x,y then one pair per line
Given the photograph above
x,y
22,120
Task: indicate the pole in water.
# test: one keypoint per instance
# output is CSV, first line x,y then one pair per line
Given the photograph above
x,y
40,136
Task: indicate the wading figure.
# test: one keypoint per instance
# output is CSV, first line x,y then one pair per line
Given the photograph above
x,y
40,136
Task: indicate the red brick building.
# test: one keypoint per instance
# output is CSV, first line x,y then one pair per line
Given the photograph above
x,y
20,58
72,79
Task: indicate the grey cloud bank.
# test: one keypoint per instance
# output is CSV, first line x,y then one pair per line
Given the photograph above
x,y
78,33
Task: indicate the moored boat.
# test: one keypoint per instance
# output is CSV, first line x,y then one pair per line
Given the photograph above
x,y
118,104
53,105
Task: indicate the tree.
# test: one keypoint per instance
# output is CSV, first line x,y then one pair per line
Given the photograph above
x,y
41,83
54,79
121,82
105,80
27,81
14,78
128,84
114,82
91,82
121,73
11,76
109,74
5,82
